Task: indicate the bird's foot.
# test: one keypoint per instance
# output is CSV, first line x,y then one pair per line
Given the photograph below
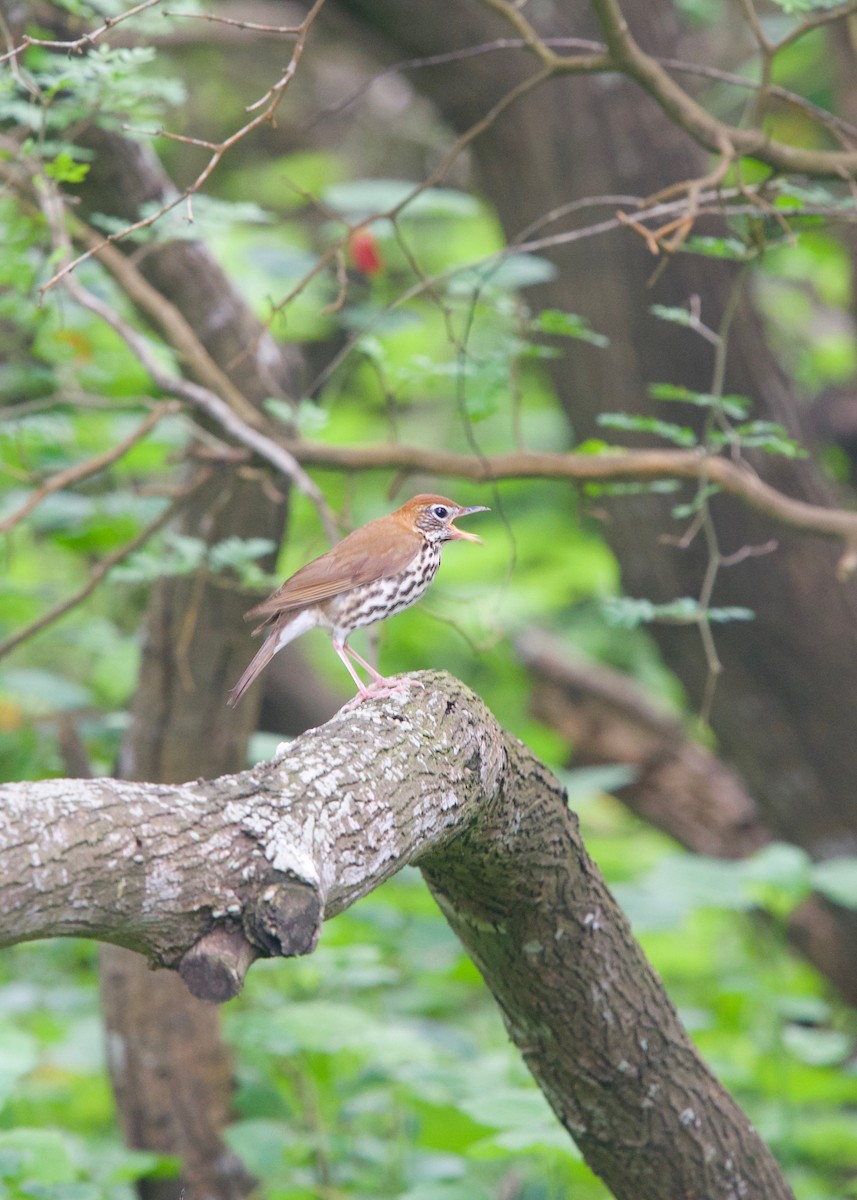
x,y
382,688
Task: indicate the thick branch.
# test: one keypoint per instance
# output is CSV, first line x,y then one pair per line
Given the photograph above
x,y
210,874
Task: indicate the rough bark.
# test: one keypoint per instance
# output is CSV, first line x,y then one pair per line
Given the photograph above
x,y
266,855
779,714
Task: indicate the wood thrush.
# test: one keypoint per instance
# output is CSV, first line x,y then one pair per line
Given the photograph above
x,y
374,572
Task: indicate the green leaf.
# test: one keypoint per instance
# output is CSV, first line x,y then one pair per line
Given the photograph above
x,y
262,1144
281,410
179,555
44,1154
777,877
677,434
701,498
583,782
818,1047
770,437
234,553
531,1140
64,169
779,863
487,387
43,691
719,247
681,883
836,879
262,747
791,7
19,1054
127,1165
656,487
507,274
596,446
678,316
361,197
733,406
440,1189
565,324
509,1108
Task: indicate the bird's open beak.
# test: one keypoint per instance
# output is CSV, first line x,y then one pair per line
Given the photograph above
x,y
460,534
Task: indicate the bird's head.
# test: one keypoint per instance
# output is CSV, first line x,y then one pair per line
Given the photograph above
x,y
433,517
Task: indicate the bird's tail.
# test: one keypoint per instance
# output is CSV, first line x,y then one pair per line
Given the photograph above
x,y
280,636
257,665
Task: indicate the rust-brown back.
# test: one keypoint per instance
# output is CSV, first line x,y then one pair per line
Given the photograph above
x,y
375,551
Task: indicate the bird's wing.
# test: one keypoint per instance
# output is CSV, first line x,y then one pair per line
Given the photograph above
x,y
360,558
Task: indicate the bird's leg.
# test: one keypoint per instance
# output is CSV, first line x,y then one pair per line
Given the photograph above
x,y
362,690
376,676
381,685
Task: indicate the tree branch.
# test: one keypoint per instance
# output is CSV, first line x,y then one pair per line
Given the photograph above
x,y
630,59
207,875
624,56
735,478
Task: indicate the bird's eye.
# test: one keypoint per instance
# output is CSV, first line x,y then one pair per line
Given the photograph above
x,y
440,512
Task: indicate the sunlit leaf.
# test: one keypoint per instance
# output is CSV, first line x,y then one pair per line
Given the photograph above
x,y
679,435
733,406
836,878
718,247
565,324
817,1046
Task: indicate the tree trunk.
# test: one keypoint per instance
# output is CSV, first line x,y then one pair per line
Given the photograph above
x,y
171,1073
435,782
779,712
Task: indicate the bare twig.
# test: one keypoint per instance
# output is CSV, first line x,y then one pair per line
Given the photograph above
x,y
813,20
77,45
103,569
596,49
715,203
237,23
551,61
201,398
171,321
84,470
211,404
265,110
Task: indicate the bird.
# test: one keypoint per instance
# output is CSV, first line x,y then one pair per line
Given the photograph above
x,y
373,573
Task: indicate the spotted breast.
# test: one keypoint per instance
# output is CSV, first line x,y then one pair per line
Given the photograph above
x,y
370,575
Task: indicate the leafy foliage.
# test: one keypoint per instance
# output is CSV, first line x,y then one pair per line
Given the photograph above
x,y
379,1066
